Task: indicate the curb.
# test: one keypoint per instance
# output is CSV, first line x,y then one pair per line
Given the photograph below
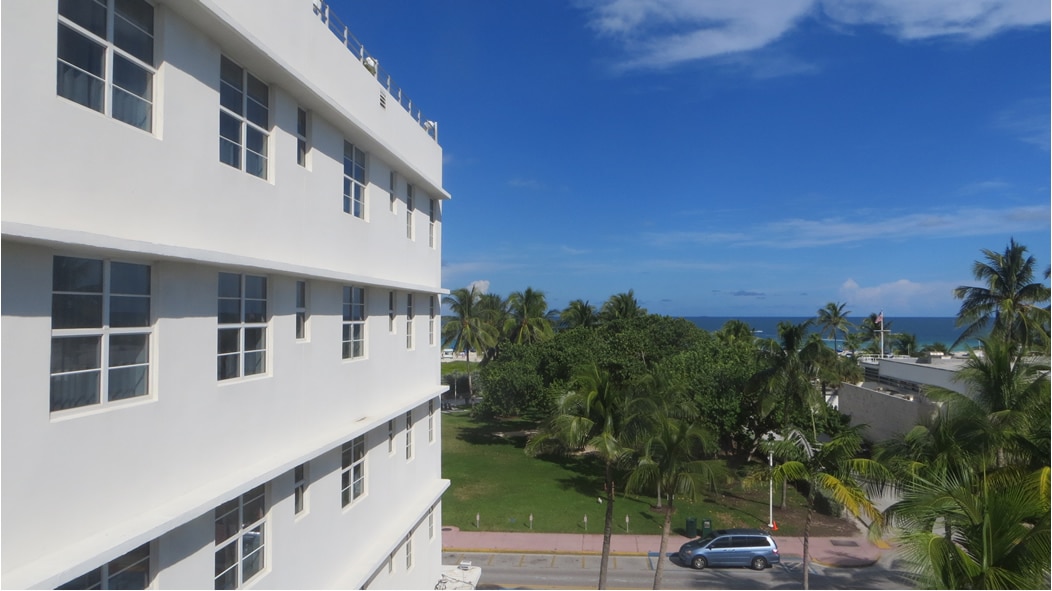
x,y
559,552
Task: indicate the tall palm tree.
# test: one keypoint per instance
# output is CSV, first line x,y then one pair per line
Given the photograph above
x,y
871,327
493,309
1010,298
621,306
904,343
831,320
529,320
735,330
833,469
1006,390
599,415
579,313
668,459
786,382
468,329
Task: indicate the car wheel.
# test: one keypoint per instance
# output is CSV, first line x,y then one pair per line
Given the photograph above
x,y
699,562
759,563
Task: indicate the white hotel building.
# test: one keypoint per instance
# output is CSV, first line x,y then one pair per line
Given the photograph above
x,y
220,297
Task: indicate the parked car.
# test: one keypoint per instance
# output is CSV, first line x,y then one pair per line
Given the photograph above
x,y
731,547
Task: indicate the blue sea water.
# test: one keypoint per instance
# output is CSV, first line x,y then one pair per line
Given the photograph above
x,y
928,330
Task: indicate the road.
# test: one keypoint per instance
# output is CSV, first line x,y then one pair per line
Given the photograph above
x,y
566,571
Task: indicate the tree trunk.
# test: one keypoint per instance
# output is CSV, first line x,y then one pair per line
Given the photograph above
x,y
785,485
659,496
659,570
608,525
807,533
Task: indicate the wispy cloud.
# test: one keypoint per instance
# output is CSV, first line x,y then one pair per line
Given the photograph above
x,y
1028,120
803,233
521,183
658,34
750,294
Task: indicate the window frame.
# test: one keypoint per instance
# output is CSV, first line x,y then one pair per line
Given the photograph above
x,y
410,207
242,504
354,320
243,327
409,435
246,123
112,53
352,456
355,179
303,143
431,421
105,334
432,227
432,326
300,486
302,310
390,437
391,314
409,317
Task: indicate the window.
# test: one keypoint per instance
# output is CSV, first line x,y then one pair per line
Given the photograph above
x,y
105,58
353,180
301,310
432,325
299,484
100,332
431,523
242,341
244,119
409,321
353,322
302,138
409,551
352,477
391,312
131,571
430,421
393,184
409,208
240,529
409,435
390,436
432,217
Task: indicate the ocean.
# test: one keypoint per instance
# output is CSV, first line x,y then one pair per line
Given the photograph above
x,y
928,330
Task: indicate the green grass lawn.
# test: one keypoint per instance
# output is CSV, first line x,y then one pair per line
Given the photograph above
x,y
491,476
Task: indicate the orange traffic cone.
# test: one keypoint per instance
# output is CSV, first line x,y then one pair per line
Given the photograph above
x,y
774,526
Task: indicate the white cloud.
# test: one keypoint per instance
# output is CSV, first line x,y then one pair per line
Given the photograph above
x,y
803,233
902,297
913,19
482,285
661,33
1028,120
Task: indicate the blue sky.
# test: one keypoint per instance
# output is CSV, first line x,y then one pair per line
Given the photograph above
x,y
729,158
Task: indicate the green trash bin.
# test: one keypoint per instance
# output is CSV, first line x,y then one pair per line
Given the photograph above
x,y
692,527
706,527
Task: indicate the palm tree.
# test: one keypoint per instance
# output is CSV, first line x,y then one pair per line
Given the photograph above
x,y
1006,391
468,329
735,330
599,415
790,367
972,530
493,309
621,306
579,313
831,320
832,469
529,319
904,343
871,327
668,460
1010,298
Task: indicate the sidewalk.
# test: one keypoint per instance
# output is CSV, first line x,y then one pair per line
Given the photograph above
x,y
844,552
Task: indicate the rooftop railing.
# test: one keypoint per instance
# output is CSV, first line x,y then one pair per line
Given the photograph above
x,y
370,63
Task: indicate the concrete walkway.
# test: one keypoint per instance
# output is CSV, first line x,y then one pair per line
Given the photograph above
x,y
843,552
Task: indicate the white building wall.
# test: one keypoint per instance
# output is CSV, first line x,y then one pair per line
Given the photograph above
x,y
84,486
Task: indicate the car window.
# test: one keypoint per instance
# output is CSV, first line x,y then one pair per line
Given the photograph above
x,y
750,542
722,543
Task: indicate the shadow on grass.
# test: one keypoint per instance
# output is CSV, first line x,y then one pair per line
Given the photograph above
x,y
497,432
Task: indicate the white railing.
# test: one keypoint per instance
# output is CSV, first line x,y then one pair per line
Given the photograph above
x,y
370,63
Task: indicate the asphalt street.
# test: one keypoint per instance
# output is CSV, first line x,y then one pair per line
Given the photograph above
x,y
581,571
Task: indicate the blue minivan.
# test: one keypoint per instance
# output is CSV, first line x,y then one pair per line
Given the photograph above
x,y
731,547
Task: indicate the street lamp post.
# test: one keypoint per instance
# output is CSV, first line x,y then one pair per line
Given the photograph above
x,y
770,491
